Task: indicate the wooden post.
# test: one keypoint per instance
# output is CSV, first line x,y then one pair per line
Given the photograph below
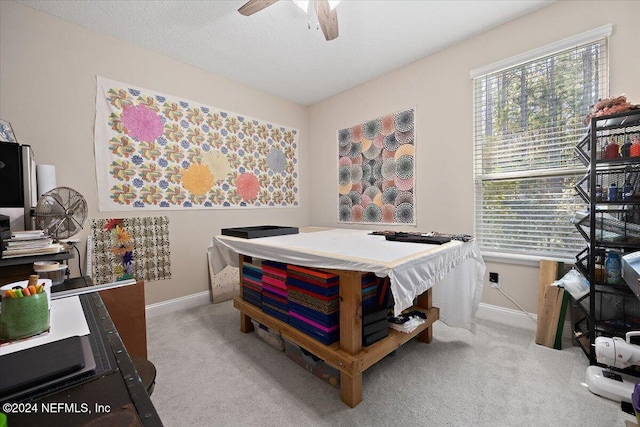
x,y
351,311
548,274
351,332
425,300
351,388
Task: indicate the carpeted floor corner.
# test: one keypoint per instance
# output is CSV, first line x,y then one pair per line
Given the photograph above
x,y
209,373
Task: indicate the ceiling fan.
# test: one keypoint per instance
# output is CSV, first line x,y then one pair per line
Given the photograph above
x,y
327,17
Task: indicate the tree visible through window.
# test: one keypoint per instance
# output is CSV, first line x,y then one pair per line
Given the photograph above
x,y
528,119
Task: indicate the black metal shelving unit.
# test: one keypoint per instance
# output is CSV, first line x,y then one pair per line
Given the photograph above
x,y
609,225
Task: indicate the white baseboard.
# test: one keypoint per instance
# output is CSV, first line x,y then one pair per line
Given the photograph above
x,y
506,316
176,304
494,313
510,317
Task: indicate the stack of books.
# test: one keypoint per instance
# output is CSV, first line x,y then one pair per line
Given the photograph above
x,y
370,285
28,243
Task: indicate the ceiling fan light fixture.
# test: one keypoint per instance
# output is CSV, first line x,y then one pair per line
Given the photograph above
x,y
303,5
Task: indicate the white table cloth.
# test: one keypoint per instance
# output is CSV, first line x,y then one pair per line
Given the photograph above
x,y
456,268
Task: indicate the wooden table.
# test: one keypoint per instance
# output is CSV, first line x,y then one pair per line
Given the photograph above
x,y
348,356
412,268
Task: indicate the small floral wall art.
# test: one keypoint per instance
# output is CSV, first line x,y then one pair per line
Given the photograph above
x,y
376,170
156,151
130,248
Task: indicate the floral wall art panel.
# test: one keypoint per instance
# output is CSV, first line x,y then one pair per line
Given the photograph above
x,y
160,152
376,170
130,248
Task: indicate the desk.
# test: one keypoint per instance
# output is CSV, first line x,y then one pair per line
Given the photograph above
x,y
118,388
19,268
413,268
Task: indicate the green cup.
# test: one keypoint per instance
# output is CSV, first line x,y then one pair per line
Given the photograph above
x,y
24,317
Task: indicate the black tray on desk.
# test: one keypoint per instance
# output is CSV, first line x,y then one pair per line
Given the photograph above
x,y
259,231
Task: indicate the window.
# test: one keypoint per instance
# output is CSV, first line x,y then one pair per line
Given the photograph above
x,y
529,115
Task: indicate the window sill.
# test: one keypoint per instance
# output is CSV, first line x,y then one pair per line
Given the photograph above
x,y
525,260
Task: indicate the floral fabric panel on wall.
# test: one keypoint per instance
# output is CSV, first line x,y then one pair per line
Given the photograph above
x,y
130,248
376,170
156,152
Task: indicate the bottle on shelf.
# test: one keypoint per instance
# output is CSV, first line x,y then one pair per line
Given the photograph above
x,y
613,268
635,147
625,150
612,150
613,192
627,191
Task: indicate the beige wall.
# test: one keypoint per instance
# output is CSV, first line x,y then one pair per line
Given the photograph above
x,y
440,88
47,92
48,71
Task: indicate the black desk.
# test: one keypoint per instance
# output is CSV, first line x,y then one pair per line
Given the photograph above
x,y
113,397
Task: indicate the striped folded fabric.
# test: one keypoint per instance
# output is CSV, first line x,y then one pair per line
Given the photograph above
x,y
313,288
275,311
319,278
327,320
252,271
315,330
252,297
318,303
277,283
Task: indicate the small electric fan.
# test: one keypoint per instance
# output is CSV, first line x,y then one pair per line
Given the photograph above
x,y
61,212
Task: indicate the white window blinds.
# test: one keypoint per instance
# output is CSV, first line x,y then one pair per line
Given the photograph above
x,y
528,117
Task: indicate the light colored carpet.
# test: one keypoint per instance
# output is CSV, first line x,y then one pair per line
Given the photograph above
x,y
211,374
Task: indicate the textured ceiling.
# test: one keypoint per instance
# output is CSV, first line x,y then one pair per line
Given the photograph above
x,y
275,51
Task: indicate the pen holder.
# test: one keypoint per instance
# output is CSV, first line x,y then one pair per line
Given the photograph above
x,y
24,317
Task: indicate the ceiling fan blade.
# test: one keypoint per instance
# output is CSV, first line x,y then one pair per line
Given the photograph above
x,y
253,6
328,19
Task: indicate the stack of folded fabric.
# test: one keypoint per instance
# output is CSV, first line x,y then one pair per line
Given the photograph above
x,y
252,283
274,290
313,303
369,291
375,308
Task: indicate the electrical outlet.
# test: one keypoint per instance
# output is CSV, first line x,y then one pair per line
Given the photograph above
x,y
494,278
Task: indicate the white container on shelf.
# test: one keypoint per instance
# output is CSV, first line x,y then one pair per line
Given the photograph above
x,y
51,270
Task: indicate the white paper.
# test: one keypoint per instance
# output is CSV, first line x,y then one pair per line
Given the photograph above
x,y
66,320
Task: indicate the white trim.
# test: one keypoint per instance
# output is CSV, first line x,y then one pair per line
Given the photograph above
x,y
516,318
506,316
177,304
577,40
519,259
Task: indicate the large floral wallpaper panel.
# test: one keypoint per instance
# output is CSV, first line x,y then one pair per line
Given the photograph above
x,y
376,170
161,152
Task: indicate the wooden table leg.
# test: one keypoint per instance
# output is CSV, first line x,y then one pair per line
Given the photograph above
x,y
351,389
425,301
351,333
